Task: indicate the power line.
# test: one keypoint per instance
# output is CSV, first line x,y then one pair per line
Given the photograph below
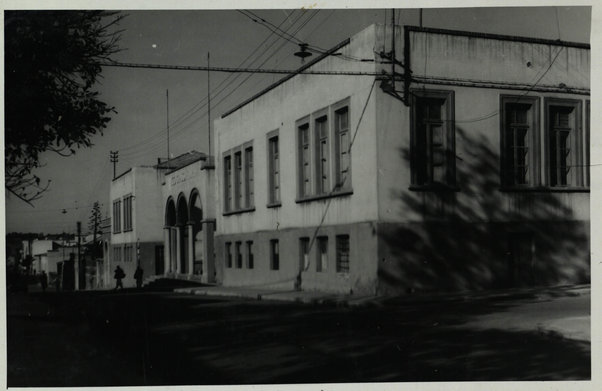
x,y
237,70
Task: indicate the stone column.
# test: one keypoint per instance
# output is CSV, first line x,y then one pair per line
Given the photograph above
x,y
166,250
178,230
190,227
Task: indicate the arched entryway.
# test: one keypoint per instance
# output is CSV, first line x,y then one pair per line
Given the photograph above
x,y
170,236
184,237
195,220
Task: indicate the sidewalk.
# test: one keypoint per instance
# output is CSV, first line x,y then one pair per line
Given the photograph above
x,y
555,311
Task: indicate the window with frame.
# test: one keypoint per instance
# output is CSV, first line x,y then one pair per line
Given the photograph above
x,y
238,180
274,254
228,254
433,139
342,148
322,260
249,178
250,256
564,143
127,213
117,253
227,183
273,169
238,252
304,161
520,141
322,155
117,216
587,142
342,244
304,253
127,253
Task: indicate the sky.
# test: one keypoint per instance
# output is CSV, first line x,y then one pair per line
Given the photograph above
x,y
185,37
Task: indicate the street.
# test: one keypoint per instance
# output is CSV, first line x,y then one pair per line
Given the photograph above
x,y
108,338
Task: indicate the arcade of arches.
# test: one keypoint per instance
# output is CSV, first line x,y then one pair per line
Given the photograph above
x,y
188,238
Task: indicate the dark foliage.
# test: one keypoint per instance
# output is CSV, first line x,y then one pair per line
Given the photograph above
x,y
52,62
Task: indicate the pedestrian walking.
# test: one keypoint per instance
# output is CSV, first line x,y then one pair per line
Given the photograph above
x,y
138,276
119,275
44,280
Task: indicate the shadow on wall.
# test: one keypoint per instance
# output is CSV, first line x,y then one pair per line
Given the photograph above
x,y
480,237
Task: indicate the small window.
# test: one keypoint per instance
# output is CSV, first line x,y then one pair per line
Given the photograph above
x,y
322,261
304,253
520,141
274,254
322,155
433,138
227,183
274,170
117,253
343,253
304,161
117,216
127,213
238,251
342,147
228,254
249,178
238,180
250,260
566,157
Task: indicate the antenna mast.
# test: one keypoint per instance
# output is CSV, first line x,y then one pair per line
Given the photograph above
x,y
208,106
167,99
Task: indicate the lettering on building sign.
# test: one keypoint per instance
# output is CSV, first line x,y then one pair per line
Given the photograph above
x,y
178,178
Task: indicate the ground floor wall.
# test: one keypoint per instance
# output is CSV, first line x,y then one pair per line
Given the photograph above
x,y
338,259
151,261
456,256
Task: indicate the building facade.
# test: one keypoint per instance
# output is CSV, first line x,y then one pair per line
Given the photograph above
x,y
188,206
136,221
463,164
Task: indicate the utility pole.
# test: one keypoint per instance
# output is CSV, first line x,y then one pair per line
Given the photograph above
x,y
167,100
208,106
114,156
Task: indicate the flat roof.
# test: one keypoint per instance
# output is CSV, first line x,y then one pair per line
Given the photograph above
x,y
499,37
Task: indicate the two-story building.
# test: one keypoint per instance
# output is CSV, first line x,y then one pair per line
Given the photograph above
x,y
455,161
136,224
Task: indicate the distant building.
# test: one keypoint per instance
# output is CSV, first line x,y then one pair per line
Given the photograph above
x,y
136,224
467,169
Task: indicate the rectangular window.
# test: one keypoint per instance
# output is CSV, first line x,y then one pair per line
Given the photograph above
x,y
117,253
304,253
250,260
564,143
520,144
117,216
304,161
322,155
238,180
238,252
322,261
342,148
227,183
433,138
228,254
249,178
587,143
127,213
342,253
274,254
127,253
274,170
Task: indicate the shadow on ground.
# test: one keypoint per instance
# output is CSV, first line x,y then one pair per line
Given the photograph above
x,y
156,339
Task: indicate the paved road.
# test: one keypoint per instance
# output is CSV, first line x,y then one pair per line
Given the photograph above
x,y
133,338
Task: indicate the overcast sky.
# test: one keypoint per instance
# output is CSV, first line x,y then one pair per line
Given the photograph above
x,y
138,131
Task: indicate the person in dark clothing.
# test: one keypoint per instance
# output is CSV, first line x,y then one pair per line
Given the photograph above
x,y
138,276
44,280
119,275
